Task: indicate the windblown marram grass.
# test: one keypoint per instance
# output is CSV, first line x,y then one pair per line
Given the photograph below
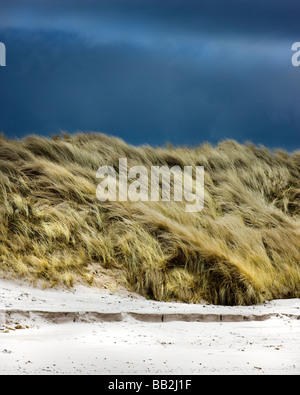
x,y
243,248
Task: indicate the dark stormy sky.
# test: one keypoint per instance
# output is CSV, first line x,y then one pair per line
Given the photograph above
x,y
152,71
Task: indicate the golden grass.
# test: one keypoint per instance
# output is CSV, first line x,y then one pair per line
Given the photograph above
x,y
243,248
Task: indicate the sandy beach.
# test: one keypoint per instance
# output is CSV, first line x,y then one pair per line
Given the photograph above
x,y
90,331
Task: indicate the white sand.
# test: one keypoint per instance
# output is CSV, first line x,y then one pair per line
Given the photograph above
x,y
132,347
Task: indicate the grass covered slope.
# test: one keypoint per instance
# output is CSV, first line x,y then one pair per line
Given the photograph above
x,y
243,248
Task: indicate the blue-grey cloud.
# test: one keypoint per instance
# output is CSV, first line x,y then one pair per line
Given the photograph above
x,y
152,71
273,18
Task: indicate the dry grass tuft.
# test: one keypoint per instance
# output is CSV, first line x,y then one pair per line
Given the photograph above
x,y
243,248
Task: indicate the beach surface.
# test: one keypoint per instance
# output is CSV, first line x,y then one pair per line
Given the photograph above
x,y
91,331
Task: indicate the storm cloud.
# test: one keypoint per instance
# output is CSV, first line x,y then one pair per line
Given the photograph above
x,y
152,71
